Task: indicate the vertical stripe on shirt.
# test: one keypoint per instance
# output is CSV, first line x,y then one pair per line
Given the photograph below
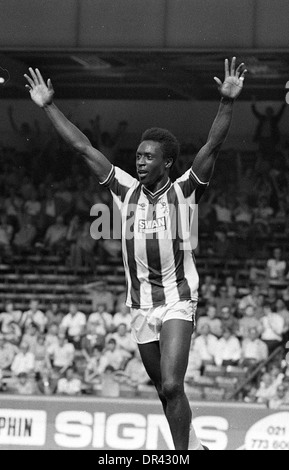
x,y
130,245
155,265
179,254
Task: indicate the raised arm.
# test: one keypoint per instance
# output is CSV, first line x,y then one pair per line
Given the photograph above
x,y
205,160
42,94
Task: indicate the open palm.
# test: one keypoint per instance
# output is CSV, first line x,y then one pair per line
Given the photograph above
x,y
40,92
234,80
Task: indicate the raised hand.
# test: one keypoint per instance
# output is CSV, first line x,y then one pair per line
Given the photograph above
x,y
41,93
234,80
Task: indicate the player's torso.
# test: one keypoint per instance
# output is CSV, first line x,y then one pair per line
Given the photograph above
x,y
154,253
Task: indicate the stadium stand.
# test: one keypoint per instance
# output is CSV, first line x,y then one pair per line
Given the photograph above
x,y
60,291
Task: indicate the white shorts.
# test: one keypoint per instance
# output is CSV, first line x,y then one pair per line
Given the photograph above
x,y
147,323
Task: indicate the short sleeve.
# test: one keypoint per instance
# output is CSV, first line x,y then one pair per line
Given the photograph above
x,y
192,187
120,183
65,322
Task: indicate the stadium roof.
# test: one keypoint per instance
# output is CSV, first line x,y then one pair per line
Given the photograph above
x,y
144,74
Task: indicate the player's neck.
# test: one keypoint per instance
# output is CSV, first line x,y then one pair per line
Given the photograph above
x,y
158,185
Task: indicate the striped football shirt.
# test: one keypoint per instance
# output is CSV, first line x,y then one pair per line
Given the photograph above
x,y
159,270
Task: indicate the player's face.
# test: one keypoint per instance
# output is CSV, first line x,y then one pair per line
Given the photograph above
x,y
150,163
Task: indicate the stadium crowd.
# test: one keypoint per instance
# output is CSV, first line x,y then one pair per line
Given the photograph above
x,y
68,352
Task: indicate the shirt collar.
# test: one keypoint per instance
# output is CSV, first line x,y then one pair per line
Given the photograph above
x,y
155,196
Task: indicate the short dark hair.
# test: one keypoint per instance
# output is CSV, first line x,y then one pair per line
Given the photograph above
x,y
170,144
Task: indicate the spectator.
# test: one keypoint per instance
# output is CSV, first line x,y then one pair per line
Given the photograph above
x,y
74,230
27,134
285,296
124,342
9,316
263,213
24,239
229,320
228,351
102,317
63,197
40,354
250,394
49,209
286,384
272,297
134,374
32,207
52,336
243,213
47,384
267,390
212,321
13,334
122,317
34,315
273,327
96,367
112,248
279,399
268,125
13,206
223,300
276,268
259,312
282,310
231,288
31,337
110,384
60,356
56,235
248,322
208,289
223,247
223,212
70,385
194,365
7,354
54,315
257,275
25,385
100,294
276,374
254,350
73,234
94,338
250,300
120,301
6,235
74,324
27,188
24,361
205,345
113,355
2,382
107,144
82,252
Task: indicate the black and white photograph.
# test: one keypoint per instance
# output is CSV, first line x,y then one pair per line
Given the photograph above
x,y
144,226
